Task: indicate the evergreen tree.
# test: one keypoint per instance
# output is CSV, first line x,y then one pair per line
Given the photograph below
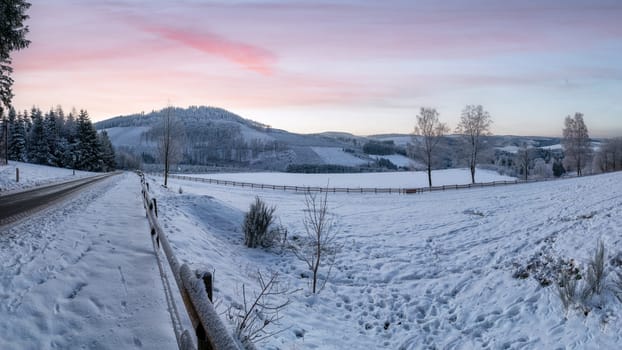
x,y
558,168
107,151
13,37
52,138
17,138
38,150
87,149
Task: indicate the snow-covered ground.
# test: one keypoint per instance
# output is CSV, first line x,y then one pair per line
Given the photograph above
x,y
433,270
510,149
83,275
553,147
401,179
336,155
33,175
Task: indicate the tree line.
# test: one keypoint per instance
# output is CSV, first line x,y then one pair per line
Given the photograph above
x,y
474,124
56,139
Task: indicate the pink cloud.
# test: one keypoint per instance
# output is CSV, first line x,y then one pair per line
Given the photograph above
x,y
251,57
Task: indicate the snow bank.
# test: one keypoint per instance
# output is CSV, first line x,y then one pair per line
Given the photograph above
x,y
31,175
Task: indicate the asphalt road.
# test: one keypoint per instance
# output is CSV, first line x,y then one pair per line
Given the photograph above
x,y
18,205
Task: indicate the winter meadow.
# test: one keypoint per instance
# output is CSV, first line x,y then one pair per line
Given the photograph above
x,y
443,214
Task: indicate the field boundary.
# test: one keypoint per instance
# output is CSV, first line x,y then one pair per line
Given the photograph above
x,y
374,190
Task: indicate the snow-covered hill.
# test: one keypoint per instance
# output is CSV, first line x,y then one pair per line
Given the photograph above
x,y
213,136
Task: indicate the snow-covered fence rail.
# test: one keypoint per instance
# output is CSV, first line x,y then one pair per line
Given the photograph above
x,y
349,190
195,288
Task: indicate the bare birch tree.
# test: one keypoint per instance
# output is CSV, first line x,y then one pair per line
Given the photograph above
x,y
474,124
170,143
319,249
576,142
524,159
431,130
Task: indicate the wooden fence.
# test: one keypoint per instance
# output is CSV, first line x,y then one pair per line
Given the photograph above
x,y
195,288
352,190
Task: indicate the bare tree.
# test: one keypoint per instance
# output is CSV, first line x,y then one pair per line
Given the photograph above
x,y
576,142
474,124
319,248
524,160
170,143
431,131
610,155
260,311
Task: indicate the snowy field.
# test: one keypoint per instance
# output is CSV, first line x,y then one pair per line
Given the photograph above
x,y
433,270
34,175
401,179
336,155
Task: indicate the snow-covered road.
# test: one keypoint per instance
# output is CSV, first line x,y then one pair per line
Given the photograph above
x,y
83,275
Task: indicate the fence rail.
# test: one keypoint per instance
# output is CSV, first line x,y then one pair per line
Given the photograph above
x,y
370,189
195,288
351,190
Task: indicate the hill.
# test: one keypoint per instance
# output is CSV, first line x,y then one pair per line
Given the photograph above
x,y
216,137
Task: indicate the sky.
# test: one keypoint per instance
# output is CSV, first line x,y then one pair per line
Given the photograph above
x,y
364,67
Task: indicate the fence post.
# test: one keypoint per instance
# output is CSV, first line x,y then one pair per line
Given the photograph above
x,y
155,206
202,343
16,174
206,276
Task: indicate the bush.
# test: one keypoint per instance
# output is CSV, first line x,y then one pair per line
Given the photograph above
x,y
256,223
276,235
570,282
259,311
595,277
567,288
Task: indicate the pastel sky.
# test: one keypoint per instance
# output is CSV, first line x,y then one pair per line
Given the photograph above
x,y
364,67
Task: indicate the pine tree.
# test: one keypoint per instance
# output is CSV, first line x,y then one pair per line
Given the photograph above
x,y
13,34
38,150
17,143
108,156
87,148
52,138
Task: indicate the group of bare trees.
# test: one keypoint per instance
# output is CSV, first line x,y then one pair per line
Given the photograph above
x,y
609,157
474,123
